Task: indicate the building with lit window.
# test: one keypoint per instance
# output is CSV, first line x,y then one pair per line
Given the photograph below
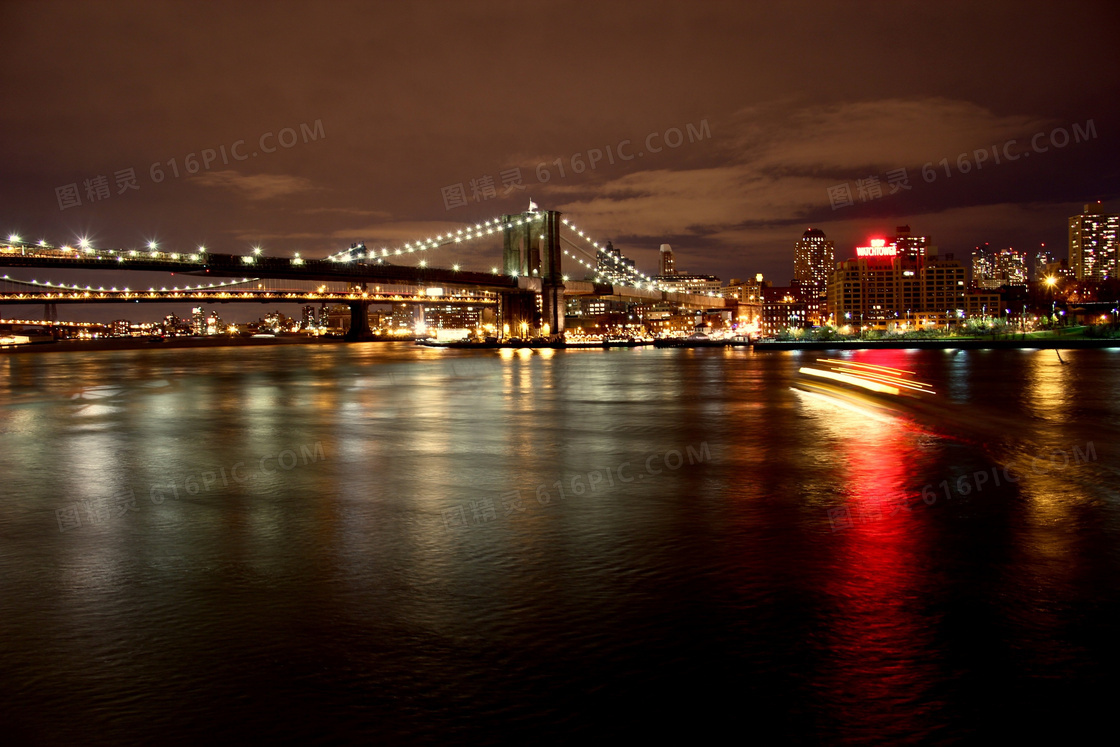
x,y
814,259
748,294
910,246
697,284
783,308
882,288
668,265
309,321
612,266
586,306
993,269
1093,244
452,316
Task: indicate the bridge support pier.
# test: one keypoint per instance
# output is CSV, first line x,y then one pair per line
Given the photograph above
x,y
359,322
531,249
518,312
553,307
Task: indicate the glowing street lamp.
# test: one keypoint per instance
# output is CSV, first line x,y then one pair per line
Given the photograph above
x,y
1051,281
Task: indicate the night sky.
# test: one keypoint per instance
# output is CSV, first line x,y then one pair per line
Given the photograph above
x,y
406,100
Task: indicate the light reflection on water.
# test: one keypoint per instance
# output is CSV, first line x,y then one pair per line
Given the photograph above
x,y
340,583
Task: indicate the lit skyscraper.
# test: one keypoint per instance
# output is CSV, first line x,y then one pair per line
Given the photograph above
x,y
1093,239
814,261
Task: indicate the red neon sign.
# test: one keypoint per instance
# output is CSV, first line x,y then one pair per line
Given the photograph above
x,y
878,248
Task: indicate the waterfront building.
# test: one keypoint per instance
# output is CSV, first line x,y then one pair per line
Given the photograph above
x,y
578,307
451,316
783,308
881,288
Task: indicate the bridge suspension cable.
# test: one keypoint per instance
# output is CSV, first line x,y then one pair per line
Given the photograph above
x,y
616,264
478,231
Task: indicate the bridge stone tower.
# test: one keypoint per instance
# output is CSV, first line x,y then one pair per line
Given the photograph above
x,y
531,251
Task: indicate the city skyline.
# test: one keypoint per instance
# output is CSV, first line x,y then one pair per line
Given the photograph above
x,y
727,181
976,270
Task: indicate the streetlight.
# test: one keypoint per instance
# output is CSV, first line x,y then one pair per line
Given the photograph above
x,y
1051,281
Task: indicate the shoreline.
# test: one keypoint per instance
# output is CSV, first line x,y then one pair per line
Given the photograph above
x,y
179,343
1054,343
128,343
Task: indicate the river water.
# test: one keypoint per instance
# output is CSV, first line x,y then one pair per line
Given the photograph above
x,y
383,542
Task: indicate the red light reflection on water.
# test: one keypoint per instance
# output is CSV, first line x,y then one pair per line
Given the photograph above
x,y
875,641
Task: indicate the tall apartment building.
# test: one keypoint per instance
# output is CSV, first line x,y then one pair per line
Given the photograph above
x,y
814,260
1093,244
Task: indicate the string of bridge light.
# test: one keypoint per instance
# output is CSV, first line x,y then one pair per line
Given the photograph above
x,y
487,228
478,231
102,289
85,247
623,272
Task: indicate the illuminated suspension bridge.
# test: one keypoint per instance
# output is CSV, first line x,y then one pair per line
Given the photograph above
x,y
247,290
528,288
